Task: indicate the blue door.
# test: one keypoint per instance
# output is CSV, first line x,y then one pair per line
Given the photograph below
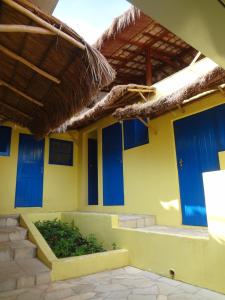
x,y
29,183
197,152
92,172
113,193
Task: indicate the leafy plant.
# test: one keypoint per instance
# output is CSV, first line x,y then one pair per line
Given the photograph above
x,y
66,240
114,246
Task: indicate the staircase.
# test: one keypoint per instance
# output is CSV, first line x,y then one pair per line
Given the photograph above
x,y
136,221
19,267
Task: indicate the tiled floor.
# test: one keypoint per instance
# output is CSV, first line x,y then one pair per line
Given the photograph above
x,y
127,283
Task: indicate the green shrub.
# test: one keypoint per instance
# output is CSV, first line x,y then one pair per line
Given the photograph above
x,y
66,240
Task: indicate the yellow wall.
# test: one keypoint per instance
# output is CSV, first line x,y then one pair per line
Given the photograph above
x,y
150,171
59,184
195,260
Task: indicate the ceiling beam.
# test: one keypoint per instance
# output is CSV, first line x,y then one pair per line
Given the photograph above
x,y
43,23
148,66
22,60
15,110
24,29
150,35
15,90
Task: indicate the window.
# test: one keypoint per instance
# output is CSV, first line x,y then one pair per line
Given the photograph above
x,y
60,152
5,140
135,133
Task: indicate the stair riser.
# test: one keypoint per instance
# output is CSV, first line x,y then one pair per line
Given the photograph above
x,y
13,236
24,282
138,223
14,254
8,222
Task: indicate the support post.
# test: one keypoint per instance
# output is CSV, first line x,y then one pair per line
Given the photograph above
x,y
148,67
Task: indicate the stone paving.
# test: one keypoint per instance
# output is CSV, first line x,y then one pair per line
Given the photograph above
x,y
127,283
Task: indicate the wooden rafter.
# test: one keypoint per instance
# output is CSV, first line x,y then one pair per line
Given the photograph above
x,y
139,51
43,23
148,67
130,68
24,29
22,60
150,35
14,109
15,90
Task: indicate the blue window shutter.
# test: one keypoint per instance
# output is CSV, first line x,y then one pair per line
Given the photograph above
x,y
135,134
60,152
5,140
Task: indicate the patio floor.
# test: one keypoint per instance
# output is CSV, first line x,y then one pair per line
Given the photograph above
x,y
127,283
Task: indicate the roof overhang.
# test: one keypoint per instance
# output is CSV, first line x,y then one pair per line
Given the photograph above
x,y
47,6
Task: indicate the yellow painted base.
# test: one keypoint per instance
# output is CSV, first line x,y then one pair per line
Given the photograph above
x,y
74,267
198,261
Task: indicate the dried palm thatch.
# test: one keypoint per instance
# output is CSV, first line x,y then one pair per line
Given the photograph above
x,y
128,18
47,71
119,96
152,109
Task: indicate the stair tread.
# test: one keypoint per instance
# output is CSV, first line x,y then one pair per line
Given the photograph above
x,y
10,229
133,217
12,216
21,268
17,244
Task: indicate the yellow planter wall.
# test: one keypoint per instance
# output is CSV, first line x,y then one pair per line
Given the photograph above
x,y
150,171
59,183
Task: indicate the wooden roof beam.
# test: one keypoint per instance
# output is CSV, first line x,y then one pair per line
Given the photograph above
x,y
130,68
150,35
22,60
15,90
157,56
7,28
43,23
122,59
131,57
15,110
148,66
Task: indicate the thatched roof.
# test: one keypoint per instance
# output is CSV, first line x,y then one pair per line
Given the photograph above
x,y
47,71
119,96
204,84
133,37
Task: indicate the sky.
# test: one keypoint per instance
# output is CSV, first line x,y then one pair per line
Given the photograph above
x,y
89,18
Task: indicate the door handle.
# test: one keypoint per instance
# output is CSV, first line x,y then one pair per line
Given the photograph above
x,y
181,163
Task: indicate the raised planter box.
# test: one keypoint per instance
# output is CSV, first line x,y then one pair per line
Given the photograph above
x,y
75,266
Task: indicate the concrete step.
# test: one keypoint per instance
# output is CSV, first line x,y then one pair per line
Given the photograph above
x,y
24,273
136,221
17,250
12,233
9,220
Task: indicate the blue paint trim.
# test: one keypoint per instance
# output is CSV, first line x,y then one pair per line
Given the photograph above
x,y
92,172
135,134
5,140
30,168
113,186
60,152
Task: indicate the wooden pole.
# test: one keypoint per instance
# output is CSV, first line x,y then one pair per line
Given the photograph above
x,y
15,110
28,64
15,90
43,23
25,29
148,67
